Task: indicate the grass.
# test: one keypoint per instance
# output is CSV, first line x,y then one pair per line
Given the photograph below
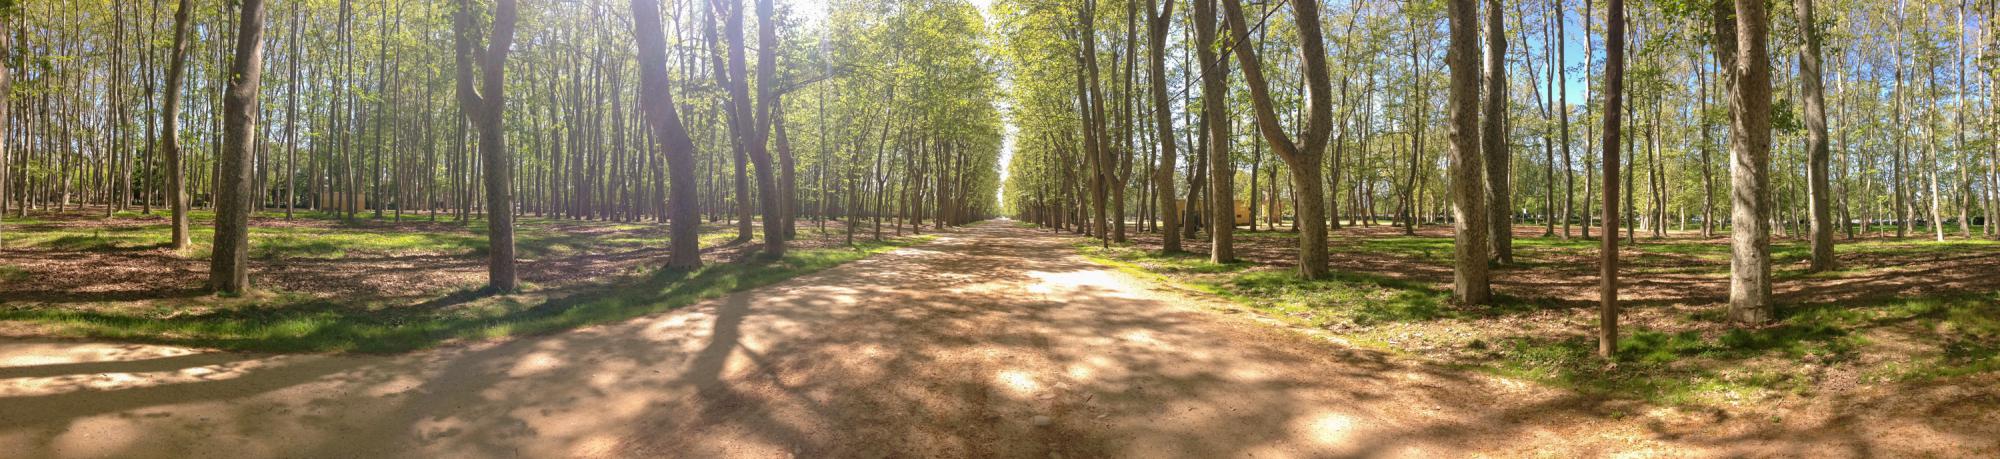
x,y
284,322
11,273
1674,357
1691,367
326,236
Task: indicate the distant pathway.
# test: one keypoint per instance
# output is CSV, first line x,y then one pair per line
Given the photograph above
x,y
993,341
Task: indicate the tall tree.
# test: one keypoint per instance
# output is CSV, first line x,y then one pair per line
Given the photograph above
x,y
1614,123
228,271
1469,280
170,140
750,120
6,101
1493,140
1215,115
1090,109
1561,97
671,137
485,104
1812,79
1305,156
1749,175
1157,28
292,116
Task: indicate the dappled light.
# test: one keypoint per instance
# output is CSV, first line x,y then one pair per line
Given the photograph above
x,y
1034,352
783,229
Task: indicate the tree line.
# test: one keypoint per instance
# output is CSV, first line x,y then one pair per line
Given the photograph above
x,y
462,110
1819,119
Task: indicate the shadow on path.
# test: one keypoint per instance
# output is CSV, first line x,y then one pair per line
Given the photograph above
x,y
990,342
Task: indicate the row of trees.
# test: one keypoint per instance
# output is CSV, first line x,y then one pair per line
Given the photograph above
x,y
455,109
1342,96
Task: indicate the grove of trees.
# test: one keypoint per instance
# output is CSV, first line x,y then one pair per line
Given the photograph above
x,y
882,113
1843,120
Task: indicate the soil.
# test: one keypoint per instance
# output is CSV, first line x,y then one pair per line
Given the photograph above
x,y
132,277
991,341
1569,277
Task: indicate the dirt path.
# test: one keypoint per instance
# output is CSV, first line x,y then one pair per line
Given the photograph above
x,y
990,342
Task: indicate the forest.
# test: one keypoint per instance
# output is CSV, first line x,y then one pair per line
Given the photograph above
x,y
970,228
309,131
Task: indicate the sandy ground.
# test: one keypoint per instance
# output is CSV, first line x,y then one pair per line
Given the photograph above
x,y
992,341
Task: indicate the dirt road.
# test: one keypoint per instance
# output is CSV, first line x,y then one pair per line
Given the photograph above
x,y
992,341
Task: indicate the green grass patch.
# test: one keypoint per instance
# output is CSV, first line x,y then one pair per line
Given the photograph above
x,y
283,322
1689,367
1689,359
327,236
11,273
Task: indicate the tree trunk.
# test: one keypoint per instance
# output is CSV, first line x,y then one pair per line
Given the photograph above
x,y
788,199
228,267
1493,141
1562,100
1469,274
1750,145
1818,192
670,136
1215,113
170,141
1614,100
486,104
291,117
1304,156
752,120
1157,29
6,101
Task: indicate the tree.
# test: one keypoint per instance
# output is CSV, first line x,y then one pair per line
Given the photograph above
x,y
6,101
1157,27
1305,156
684,245
485,104
1469,272
228,268
1493,141
1749,174
1090,109
1811,79
1562,101
751,120
1215,115
170,143
292,118
1614,123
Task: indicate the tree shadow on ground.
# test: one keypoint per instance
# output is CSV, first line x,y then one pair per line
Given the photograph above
x,y
986,343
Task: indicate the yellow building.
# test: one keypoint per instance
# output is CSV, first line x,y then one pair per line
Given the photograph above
x,y
1242,211
340,202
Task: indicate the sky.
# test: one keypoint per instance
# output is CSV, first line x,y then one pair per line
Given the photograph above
x,y
817,10
814,11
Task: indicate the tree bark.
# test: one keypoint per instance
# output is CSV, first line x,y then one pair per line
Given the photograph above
x,y
754,117
1750,145
1157,29
1493,141
1614,101
1469,271
486,104
1812,82
671,137
6,101
170,141
1215,113
1304,157
228,271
